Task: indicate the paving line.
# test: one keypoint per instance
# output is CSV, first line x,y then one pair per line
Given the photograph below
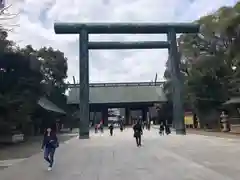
x,y
10,162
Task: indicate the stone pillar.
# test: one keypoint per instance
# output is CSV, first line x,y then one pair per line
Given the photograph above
x,y
94,118
178,110
84,85
127,116
105,116
144,114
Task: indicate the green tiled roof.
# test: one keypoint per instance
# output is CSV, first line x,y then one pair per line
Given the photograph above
x,y
120,94
234,100
48,105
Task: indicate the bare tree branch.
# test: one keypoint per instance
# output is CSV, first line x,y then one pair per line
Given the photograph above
x,y
5,17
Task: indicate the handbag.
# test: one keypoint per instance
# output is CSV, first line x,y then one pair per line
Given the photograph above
x,y
54,144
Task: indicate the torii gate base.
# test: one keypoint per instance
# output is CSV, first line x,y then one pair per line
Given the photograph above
x,y
127,28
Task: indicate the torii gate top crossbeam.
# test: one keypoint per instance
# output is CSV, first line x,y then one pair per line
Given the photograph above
x,y
125,28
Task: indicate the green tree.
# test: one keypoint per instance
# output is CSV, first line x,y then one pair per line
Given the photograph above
x,y
20,88
54,70
54,67
208,59
26,75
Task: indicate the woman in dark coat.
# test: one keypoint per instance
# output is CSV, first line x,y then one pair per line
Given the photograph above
x,y
137,128
111,127
49,145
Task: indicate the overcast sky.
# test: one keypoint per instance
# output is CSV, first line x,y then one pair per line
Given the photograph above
x,y
36,28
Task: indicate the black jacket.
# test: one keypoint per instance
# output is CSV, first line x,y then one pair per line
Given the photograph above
x,y
137,128
50,141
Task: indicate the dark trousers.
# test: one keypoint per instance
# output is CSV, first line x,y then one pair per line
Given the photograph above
x,y
138,140
111,132
49,155
167,130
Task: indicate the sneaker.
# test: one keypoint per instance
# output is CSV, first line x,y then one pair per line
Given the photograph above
x,y
49,168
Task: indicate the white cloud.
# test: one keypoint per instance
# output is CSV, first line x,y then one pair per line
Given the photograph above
x,y
36,27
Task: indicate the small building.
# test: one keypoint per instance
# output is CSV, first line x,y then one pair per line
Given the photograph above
x,y
232,107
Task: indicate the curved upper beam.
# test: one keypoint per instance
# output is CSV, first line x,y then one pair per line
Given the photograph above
x,y
125,28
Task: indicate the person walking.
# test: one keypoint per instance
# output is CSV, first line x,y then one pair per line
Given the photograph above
x,y
96,128
111,127
121,125
137,128
49,145
161,129
101,126
167,129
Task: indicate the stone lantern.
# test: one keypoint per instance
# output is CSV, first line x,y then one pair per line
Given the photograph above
x,y
225,122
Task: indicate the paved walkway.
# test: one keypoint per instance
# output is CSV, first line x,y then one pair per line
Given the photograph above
x,y
191,157
26,149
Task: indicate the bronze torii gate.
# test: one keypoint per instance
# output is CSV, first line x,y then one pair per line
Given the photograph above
x,y
84,29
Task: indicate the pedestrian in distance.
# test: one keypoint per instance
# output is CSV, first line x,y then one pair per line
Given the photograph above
x,y
111,127
101,126
161,129
137,129
121,127
167,129
96,128
149,125
49,145
143,125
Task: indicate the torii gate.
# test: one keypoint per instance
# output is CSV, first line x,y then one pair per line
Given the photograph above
x,y
84,29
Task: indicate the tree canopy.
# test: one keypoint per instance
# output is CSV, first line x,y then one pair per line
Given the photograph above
x,y
210,61
26,75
